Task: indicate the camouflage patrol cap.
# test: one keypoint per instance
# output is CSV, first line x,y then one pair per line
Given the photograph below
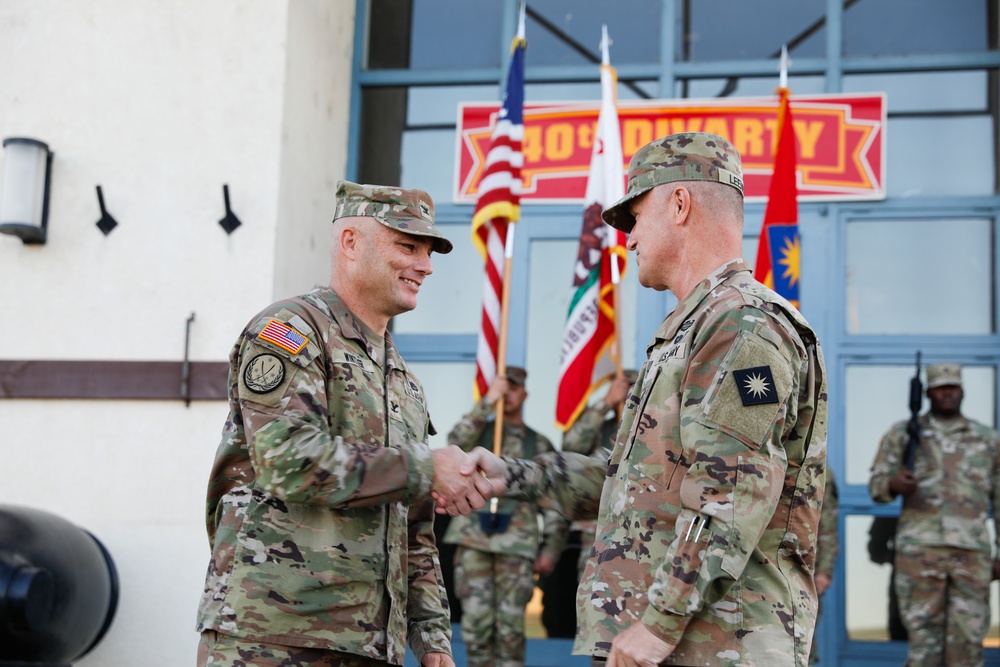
x,y
942,375
409,211
516,375
688,156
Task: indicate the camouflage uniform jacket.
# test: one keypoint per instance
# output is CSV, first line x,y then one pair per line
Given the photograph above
x,y
316,538
957,467
591,430
522,536
828,547
590,434
725,425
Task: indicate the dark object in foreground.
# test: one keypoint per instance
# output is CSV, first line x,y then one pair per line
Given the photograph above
x,y
58,589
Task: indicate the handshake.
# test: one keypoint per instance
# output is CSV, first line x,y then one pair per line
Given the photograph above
x,y
464,482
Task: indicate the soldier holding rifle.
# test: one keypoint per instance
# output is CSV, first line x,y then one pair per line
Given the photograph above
x,y
943,554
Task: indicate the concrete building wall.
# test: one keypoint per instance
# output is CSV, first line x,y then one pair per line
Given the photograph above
x,y
160,103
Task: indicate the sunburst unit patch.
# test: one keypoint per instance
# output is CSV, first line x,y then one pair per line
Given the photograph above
x,y
756,385
283,336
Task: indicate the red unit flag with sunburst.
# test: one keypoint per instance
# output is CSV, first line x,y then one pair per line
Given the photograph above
x,y
778,251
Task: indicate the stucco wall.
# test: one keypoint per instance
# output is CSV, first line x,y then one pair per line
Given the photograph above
x,y
160,103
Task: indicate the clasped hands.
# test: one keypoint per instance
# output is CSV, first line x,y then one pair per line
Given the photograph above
x,y
463,483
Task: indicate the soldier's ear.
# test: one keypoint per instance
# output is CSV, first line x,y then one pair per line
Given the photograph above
x,y
348,240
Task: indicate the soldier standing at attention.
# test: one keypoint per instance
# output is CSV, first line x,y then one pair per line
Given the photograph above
x,y
943,562
318,513
497,554
708,518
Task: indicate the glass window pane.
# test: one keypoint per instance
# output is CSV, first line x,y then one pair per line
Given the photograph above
x,y
748,87
866,583
426,34
551,267
450,298
919,277
925,91
558,29
921,26
876,397
428,162
383,117
437,105
576,92
448,386
719,29
907,156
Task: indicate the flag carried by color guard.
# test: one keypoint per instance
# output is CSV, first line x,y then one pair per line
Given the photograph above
x,y
778,250
590,353
497,209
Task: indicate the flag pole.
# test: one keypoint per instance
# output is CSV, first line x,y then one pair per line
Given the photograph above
x,y
508,262
783,68
616,278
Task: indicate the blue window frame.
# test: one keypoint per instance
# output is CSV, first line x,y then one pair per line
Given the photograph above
x,y
940,67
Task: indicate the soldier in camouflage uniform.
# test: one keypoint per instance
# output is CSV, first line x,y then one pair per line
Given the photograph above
x,y
828,546
709,514
943,552
318,511
495,564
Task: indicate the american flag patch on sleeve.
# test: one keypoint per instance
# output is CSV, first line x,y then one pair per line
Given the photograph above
x,y
283,336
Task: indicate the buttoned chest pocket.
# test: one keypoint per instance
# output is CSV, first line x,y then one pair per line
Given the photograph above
x,y
652,446
407,410
355,394
971,460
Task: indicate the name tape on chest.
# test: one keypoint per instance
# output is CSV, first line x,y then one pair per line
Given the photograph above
x,y
283,336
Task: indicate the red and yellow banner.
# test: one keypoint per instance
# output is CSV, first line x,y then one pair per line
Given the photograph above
x,y
840,143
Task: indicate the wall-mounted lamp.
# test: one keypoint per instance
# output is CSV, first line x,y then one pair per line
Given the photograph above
x,y
107,222
24,189
229,221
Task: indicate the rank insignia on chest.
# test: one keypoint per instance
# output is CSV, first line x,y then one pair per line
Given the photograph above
x,y
756,385
283,336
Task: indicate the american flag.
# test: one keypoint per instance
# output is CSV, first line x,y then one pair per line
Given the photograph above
x,y
498,208
283,336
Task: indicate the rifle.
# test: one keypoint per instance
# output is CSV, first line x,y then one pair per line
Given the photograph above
x,y
913,428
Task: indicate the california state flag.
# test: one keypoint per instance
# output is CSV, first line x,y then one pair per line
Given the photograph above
x,y
590,353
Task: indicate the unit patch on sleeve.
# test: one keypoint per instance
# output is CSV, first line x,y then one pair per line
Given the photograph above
x,y
283,336
264,373
756,385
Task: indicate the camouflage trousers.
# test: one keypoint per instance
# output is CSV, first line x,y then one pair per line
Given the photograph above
x,y
215,650
494,590
944,601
